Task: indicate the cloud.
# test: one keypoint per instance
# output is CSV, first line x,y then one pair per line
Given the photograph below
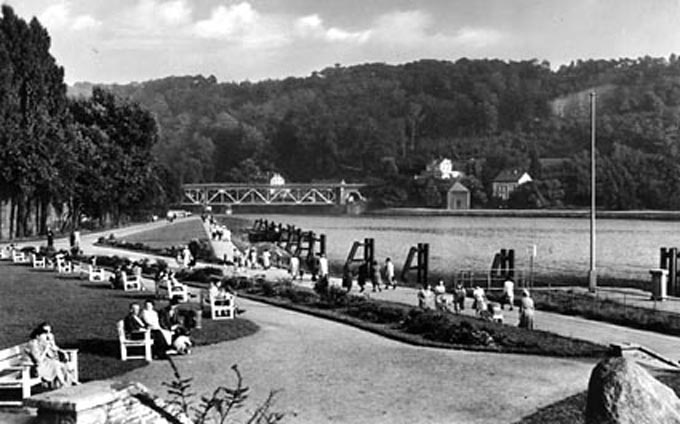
x,y
228,22
312,26
59,16
415,28
242,24
83,22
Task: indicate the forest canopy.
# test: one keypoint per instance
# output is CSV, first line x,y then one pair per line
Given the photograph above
x,y
383,123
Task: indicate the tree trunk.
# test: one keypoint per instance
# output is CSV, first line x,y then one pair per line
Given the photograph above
x,y
12,216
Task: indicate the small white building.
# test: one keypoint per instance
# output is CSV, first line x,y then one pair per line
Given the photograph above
x,y
441,169
277,180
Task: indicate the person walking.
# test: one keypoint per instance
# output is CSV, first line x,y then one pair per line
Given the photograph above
x,y
526,311
508,293
425,297
374,273
459,300
294,268
347,277
50,238
323,266
388,272
479,300
362,276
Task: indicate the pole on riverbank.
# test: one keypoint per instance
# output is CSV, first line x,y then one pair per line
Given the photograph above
x,y
592,273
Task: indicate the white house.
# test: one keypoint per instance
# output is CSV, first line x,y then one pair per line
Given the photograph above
x,y
441,169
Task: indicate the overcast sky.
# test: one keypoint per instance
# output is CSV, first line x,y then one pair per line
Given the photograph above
x,y
137,40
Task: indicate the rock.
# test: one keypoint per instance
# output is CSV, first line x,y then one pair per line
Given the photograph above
x,y
622,392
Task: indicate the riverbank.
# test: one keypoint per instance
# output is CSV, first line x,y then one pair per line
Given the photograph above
x,y
532,213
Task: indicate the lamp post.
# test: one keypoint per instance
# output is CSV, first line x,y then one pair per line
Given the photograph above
x,y
592,273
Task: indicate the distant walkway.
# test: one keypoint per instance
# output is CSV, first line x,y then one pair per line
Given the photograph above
x,y
569,326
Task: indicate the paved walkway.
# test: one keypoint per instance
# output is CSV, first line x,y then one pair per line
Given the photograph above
x,y
331,372
335,373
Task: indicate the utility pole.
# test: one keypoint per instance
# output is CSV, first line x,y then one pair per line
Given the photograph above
x,y
592,273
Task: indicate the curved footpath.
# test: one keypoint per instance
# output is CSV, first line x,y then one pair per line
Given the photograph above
x,y
335,373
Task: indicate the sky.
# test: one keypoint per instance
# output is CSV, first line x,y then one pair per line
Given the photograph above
x,y
123,41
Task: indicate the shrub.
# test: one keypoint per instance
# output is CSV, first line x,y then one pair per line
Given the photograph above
x,y
201,275
378,312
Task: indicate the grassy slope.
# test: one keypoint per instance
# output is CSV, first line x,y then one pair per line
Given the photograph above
x,y
179,234
83,316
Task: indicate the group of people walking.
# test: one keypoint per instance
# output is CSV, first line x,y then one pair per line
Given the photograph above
x,y
440,299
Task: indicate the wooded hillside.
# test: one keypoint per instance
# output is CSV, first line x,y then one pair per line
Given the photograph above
x,y
383,123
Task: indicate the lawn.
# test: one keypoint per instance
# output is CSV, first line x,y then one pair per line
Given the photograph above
x,y
179,234
83,315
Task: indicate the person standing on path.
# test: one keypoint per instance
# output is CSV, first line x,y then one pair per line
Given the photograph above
x,y
50,238
294,268
374,273
362,276
388,271
459,301
526,311
347,277
266,259
323,266
508,293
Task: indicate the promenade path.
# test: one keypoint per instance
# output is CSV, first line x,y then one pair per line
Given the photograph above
x,y
335,373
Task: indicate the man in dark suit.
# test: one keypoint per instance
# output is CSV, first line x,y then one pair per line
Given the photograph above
x,y
135,327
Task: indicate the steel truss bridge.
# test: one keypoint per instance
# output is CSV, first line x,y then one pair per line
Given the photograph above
x,y
227,194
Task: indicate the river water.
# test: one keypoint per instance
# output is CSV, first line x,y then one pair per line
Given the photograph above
x,y
625,248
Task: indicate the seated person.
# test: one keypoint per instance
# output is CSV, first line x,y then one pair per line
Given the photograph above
x,y
117,279
48,359
171,320
161,338
135,328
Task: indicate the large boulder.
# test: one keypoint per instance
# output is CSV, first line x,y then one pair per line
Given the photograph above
x,y
622,392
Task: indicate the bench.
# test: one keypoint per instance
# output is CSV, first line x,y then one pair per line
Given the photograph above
x,y
19,257
222,306
95,274
168,289
38,262
127,343
133,283
15,372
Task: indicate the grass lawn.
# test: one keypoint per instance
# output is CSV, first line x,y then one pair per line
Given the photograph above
x,y
179,234
83,315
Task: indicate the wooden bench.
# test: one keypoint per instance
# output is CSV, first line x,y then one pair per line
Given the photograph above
x,y
38,262
96,274
133,283
19,257
126,343
168,289
15,371
222,306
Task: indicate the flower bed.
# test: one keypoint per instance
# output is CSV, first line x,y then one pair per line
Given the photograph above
x,y
412,325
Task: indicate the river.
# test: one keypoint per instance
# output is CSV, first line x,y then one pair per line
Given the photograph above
x,y
625,248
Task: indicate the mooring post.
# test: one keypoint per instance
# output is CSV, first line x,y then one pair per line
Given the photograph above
x,y
322,244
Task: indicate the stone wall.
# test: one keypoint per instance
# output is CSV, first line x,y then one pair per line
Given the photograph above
x,y
104,402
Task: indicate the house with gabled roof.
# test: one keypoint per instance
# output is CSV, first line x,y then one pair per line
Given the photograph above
x,y
507,181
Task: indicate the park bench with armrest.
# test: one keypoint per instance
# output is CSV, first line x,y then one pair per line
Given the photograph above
x,y
167,288
133,283
19,257
16,375
38,262
222,305
127,342
96,274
